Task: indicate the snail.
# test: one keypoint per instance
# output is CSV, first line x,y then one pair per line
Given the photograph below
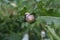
x,y
29,17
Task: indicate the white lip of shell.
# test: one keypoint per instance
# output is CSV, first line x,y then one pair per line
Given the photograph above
x,y
27,13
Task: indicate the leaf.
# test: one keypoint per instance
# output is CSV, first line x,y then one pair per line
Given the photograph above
x,y
52,31
50,19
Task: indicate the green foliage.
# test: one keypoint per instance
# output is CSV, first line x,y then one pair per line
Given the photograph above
x,y
12,19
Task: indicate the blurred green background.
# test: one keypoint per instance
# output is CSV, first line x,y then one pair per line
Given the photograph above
x,y
13,25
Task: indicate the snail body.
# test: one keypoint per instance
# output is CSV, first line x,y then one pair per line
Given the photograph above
x,y
29,18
